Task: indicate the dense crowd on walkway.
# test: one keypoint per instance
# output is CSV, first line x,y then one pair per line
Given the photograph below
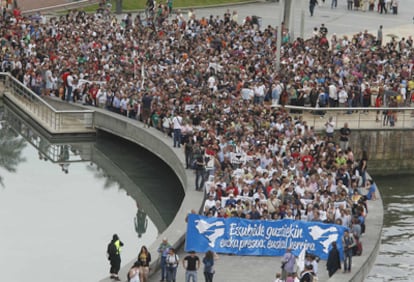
x,y
212,85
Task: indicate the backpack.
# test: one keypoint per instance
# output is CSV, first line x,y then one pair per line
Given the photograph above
x,y
357,249
111,250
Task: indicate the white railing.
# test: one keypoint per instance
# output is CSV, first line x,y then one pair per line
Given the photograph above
x,y
357,118
53,120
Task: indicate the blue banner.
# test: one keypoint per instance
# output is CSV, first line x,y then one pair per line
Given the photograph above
x,y
261,237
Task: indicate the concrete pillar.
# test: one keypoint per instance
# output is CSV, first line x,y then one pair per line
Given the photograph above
x,y
287,13
302,19
119,6
279,34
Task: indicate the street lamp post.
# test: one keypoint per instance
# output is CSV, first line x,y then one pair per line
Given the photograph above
x,y
302,19
119,6
280,34
287,4
291,22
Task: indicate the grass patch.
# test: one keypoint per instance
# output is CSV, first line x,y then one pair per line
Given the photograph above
x,y
140,4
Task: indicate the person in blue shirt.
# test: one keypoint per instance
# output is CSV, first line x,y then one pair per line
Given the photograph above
x,y
371,190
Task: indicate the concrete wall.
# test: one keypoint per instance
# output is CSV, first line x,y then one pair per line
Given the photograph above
x,y
389,151
161,146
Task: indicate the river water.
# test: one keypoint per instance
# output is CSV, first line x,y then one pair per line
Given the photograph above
x,y
54,225
60,203
394,262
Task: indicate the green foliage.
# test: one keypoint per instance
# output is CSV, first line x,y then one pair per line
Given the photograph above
x,y
140,5
11,147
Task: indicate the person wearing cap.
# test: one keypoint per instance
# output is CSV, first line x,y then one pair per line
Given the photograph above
x,y
114,256
163,252
191,264
231,200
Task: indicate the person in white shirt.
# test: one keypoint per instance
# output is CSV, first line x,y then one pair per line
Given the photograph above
x,y
70,84
101,97
212,85
342,97
49,81
330,127
276,92
177,124
259,93
333,95
209,203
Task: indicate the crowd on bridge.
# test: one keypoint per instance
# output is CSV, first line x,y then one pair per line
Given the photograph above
x,y
212,84
381,6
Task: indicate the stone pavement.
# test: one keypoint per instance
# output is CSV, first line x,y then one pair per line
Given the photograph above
x,y
339,20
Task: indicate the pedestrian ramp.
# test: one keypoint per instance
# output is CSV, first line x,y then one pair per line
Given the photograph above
x,y
64,120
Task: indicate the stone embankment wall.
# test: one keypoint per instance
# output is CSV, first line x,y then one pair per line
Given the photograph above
x,y
389,151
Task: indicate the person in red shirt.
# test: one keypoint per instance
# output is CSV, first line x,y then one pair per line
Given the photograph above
x,y
307,160
210,151
65,81
232,189
378,104
93,91
17,14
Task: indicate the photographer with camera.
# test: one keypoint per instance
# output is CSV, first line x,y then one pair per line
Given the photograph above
x,y
172,261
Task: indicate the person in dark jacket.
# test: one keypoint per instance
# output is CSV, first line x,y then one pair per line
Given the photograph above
x,y
144,258
312,4
334,262
114,256
208,262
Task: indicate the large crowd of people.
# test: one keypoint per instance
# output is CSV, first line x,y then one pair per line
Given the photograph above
x,y
212,84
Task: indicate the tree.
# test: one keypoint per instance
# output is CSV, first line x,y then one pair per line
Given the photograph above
x,y
11,146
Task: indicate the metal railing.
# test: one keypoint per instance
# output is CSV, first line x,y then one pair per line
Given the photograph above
x,y
53,120
370,118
